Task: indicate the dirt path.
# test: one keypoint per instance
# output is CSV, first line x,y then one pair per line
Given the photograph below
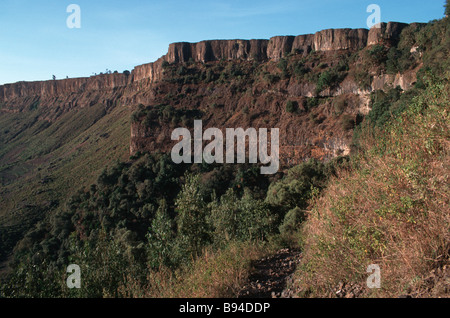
x,y
270,275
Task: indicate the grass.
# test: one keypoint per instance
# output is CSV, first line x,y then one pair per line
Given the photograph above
x,y
215,274
391,209
42,162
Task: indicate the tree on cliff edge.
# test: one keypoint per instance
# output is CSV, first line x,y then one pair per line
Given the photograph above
x,y
447,8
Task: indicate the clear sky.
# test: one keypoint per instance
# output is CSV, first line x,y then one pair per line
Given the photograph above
x,y
35,42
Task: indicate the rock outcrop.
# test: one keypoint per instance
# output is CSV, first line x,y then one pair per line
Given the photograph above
x,y
389,32
46,89
216,50
213,50
317,134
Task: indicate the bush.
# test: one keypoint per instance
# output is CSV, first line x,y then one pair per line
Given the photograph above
x,y
283,65
339,104
295,189
331,78
377,54
182,70
165,64
382,105
311,102
300,70
193,230
271,78
325,80
291,106
291,221
347,122
244,219
398,61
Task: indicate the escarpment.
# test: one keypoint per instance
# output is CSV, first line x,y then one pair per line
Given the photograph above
x,y
234,83
211,50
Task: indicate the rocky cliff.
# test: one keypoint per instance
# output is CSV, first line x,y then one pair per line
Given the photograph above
x,y
264,91
206,51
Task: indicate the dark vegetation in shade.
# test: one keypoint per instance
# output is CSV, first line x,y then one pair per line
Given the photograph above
x,y
159,214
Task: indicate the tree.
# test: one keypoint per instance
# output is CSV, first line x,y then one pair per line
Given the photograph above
x,y
240,219
193,232
160,238
295,189
447,8
54,77
291,220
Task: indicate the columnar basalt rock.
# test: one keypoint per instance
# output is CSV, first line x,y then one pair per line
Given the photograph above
x,y
340,39
319,135
206,51
385,32
303,44
216,50
279,46
45,89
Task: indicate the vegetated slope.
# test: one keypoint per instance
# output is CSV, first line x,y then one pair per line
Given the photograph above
x,y
145,226
42,161
392,207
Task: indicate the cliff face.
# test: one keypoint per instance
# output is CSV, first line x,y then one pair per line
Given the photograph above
x,y
317,134
215,50
263,50
47,89
206,51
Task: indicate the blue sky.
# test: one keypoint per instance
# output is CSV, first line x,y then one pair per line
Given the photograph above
x,y
36,43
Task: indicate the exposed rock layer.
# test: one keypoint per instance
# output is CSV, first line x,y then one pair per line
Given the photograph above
x,y
213,50
315,134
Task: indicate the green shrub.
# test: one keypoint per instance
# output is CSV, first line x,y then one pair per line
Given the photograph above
x,y
382,105
193,230
330,78
291,221
291,106
363,78
339,105
347,122
300,70
240,219
165,64
283,65
295,189
271,78
398,61
311,102
377,54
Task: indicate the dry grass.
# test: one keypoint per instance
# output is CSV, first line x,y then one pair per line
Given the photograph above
x,y
213,275
391,210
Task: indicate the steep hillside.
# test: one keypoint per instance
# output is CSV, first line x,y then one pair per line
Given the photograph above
x,y
391,208
315,88
144,214
326,78
43,162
